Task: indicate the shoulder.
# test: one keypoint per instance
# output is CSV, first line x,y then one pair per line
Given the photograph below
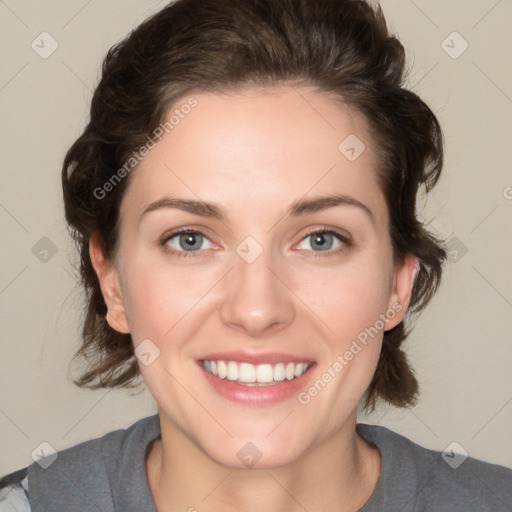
x,y
83,474
435,480
13,492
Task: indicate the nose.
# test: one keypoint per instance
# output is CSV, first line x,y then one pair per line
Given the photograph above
x,y
256,301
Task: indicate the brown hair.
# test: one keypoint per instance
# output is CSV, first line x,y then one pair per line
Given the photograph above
x,y
339,46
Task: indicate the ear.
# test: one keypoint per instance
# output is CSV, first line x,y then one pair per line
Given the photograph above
x,y
110,287
400,295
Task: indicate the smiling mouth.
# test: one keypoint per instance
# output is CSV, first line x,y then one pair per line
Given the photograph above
x,y
255,375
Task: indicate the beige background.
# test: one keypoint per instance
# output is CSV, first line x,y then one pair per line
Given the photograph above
x,y
462,346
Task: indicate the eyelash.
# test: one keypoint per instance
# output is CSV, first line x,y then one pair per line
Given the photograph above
x,y
322,254
181,254
345,240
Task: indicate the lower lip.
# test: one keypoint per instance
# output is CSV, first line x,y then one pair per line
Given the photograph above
x,y
257,395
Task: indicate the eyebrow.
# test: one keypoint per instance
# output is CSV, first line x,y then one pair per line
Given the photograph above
x,y
304,207
298,208
188,205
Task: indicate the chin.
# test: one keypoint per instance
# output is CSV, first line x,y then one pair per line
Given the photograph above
x,y
253,455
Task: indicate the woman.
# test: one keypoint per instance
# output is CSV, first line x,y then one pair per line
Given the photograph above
x,y
243,200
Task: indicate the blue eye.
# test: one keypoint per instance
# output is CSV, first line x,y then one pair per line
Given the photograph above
x,y
186,240
324,240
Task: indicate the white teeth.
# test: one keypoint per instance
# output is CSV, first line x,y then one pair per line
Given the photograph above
x,y
260,374
246,372
299,369
279,372
232,371
265,373
222,370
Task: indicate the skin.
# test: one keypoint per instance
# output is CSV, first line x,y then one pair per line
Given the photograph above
x,y
254,153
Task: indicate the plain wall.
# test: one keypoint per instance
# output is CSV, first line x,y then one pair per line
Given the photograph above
x,y
461,347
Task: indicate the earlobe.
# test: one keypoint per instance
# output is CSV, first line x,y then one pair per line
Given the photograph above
x,y
110,286
403,282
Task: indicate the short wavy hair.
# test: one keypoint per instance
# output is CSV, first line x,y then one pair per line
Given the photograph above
x,y
341,47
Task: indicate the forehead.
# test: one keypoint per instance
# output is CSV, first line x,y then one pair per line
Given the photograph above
x,y
255,148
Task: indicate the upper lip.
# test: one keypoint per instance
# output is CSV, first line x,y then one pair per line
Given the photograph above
x,y
256,358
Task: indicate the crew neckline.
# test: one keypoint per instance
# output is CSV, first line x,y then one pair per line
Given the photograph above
x,y
137,473
369,434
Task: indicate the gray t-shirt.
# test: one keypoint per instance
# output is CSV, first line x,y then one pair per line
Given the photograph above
x,y
109,474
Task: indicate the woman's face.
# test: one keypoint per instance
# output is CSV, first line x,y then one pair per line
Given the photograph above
x,y
285,262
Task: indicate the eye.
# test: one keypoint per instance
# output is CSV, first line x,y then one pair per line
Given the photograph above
x,y
186,240
324,240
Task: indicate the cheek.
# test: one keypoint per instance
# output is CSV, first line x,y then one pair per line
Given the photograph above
x,y
164,303
351,305
347,299
159,296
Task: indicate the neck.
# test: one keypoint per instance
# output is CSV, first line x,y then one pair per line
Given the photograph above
x,y
338,475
